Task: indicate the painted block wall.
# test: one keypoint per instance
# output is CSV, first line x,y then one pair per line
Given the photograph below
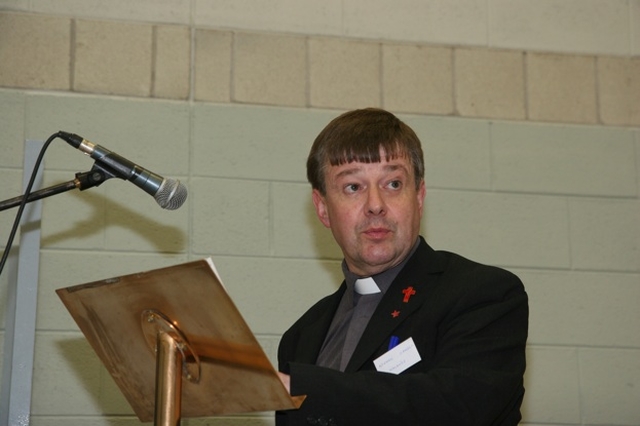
x,y
529,113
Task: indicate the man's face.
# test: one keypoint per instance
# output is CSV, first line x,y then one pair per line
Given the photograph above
x,y
373,210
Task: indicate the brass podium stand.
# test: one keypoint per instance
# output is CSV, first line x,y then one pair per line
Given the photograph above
x,y
153,329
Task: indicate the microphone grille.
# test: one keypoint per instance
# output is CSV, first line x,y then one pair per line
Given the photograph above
x,y
171,194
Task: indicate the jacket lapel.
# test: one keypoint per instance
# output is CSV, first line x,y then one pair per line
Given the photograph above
x,y
406,294
311,336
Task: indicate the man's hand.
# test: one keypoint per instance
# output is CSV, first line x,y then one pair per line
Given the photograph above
x,y
286,381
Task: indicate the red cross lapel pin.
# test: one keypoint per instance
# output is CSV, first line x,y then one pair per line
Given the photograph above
x,y
408,292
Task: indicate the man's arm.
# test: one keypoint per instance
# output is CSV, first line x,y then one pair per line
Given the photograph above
x,y
471,369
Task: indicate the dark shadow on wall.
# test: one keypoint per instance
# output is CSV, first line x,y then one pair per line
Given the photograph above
x,y
97,383
105,213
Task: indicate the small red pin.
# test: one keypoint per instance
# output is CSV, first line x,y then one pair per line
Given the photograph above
x,y
408,292
395,314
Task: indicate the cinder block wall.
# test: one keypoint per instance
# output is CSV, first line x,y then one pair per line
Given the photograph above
x,y
529,112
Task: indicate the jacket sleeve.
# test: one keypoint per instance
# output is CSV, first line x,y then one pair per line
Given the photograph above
x,y
471,372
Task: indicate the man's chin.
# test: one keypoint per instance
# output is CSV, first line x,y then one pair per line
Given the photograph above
x,y
379,263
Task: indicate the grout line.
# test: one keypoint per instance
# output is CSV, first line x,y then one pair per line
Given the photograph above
x,y
154,60
307,87
596,81
454,85
192,53
525,83
72,55
381,99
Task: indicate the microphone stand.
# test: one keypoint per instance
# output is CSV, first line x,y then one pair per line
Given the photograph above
x,y
83,180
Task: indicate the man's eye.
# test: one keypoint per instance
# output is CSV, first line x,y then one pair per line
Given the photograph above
x,y
395,184
352,187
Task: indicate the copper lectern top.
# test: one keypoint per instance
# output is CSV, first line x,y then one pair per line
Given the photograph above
x,y
227,370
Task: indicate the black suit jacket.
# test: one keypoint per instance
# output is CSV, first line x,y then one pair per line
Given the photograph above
x,y
469,323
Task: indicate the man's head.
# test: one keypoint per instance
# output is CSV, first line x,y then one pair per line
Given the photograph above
x,y
366,170
361,135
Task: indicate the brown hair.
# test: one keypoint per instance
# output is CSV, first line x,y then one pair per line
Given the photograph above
x,y
359,135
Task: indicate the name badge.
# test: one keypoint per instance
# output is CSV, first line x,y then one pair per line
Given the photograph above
x,y
399,358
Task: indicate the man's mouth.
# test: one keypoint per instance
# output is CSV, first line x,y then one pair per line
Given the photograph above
x,y
377,233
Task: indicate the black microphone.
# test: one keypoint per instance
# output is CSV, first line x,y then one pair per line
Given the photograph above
x,y
169,193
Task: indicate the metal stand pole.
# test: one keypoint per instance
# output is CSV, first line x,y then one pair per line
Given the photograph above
x,y
168,381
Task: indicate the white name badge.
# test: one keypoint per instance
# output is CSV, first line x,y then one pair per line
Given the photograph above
x,y
399,358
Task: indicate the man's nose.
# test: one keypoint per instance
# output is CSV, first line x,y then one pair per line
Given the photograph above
x,y
375,202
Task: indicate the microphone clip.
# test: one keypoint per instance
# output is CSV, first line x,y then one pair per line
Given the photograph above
x,y
94,177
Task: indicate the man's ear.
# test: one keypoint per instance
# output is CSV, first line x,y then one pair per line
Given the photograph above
x,y
321,207
422,192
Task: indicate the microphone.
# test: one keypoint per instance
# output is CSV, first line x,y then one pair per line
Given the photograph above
x,y
169,193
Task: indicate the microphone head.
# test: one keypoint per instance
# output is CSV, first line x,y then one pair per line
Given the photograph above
x,y
171,194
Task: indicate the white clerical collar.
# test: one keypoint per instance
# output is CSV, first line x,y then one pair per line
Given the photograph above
x,y
366,286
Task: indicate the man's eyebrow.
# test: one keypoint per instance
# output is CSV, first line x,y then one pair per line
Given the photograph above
x,y
355,169
348,172
394,167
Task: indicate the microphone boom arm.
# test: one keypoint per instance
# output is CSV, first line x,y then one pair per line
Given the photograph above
x,y
82,181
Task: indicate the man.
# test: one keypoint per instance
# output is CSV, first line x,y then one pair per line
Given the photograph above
x,y
412,336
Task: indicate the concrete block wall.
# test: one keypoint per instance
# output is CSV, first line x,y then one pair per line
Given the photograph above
x,y
529,112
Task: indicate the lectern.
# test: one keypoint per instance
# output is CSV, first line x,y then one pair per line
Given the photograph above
x,y
176,345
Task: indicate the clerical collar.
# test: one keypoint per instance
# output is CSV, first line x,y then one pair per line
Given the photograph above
x,y
384,278
366,286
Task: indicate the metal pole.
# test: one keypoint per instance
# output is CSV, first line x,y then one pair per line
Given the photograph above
x,y
19,338
168,381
